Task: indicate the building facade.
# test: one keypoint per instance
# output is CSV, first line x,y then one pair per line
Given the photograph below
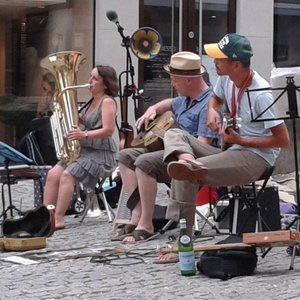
x,y
104,31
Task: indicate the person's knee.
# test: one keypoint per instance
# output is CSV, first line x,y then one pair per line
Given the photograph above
x,y
53,175
146,165
142,163
127,158
122,156
66,177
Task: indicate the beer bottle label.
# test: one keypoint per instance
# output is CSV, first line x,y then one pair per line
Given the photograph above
x,y
187,261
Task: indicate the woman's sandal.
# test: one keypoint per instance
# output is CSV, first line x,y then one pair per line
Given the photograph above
x,y
139,235
125,230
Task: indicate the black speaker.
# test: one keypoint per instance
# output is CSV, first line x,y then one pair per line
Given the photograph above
x,y
243,213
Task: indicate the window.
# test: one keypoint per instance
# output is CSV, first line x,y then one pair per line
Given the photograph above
x,y
28,33
286,38
180,33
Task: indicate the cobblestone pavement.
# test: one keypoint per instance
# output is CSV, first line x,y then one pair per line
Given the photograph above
x,y
60,275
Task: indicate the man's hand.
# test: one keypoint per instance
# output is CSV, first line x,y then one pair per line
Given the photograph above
x,y
213,120
230,136
146,118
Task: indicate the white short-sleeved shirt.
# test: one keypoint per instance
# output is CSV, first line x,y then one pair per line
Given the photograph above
x,y
259,101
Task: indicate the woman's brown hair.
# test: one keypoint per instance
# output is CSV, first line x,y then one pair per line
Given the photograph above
x,y
110,79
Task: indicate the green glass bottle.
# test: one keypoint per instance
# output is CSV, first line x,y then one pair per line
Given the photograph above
x,y
186,251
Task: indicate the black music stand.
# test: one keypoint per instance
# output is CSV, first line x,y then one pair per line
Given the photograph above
x,y
292,114
10,155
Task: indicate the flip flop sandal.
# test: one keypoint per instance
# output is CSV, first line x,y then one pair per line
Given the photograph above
x,y
188,170
140,235
125,230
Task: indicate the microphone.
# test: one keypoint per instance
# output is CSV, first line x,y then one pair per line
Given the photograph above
x,y
112,16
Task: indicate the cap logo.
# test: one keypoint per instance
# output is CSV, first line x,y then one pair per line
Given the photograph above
x,y
224,42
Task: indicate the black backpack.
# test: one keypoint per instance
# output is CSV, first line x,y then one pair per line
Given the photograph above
x,y
228,263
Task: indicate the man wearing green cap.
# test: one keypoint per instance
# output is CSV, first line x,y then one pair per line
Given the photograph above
x,y
254,148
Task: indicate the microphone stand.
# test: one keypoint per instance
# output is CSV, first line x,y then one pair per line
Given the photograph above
x,y
128,90
293,115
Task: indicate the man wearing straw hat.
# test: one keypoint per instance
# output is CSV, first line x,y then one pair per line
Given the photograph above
x,y
141,169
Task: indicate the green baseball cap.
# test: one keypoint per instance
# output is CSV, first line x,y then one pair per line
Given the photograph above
x,y
233,46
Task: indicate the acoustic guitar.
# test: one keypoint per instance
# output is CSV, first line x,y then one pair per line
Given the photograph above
x,y
151,137
230,122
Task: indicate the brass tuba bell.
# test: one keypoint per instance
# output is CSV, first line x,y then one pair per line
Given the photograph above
x,y
64,67
146,43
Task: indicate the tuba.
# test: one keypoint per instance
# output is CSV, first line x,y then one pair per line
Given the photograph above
x,y
64,67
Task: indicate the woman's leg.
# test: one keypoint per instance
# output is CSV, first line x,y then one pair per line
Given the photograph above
x,y
52,185
65,193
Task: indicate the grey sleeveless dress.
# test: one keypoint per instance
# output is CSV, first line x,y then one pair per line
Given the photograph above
x,y
97,157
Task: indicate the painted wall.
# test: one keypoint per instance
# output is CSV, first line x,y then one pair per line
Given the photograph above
x,y
108,49
254,19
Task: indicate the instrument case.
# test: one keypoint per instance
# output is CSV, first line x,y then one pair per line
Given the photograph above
x,y
28,232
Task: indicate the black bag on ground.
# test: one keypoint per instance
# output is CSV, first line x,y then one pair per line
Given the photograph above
x,y
228,263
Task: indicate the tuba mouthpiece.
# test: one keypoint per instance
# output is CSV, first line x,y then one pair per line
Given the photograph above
x,y
86,85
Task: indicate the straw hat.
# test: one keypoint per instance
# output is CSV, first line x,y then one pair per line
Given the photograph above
x,y
185,64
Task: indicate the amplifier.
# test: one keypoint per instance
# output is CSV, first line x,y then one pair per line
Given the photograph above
x,y
244,218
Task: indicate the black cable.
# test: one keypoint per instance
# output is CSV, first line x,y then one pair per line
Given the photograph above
x,y
129,255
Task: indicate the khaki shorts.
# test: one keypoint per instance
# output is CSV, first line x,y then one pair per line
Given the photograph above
x,y
150,163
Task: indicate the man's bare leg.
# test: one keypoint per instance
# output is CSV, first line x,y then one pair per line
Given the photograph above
x,y
130,183
148,190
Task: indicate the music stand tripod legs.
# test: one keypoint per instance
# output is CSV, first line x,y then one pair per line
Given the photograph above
x,y
10,208
293,115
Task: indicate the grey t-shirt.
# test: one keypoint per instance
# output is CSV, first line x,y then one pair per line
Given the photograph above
x,y
259,101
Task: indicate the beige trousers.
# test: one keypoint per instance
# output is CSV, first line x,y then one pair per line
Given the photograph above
x,y
227,168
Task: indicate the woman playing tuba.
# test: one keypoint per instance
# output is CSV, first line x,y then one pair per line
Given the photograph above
x,y
97,155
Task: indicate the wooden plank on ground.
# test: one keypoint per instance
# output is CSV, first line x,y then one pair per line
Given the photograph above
x,y
199,248
280,238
